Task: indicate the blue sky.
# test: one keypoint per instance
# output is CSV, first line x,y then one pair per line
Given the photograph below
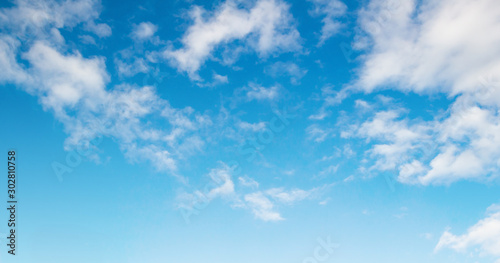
x,y
253,131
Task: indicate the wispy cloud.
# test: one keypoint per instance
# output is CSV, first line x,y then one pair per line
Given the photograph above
x,y
263,204
316,133
289,69
248,182
256,92
330,10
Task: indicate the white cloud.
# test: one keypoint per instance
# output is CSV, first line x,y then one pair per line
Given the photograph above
x,y
248,182
219,79
330,170
10,70
143,31
448,47
363,105
400,137
138,65
408,171
452,165
216,80
65,80
348,152
255,127
395,143
266,27
221,176
461,146
29,21
76,88
348,179
324,202
494,208
101,30
262,203
262,207
317,134
435,46
87,39
160,158
471,133
331,10
289,197
484,235
36,17
220,185
330,98
256,92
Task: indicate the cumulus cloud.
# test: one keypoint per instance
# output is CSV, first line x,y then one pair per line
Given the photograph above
x,y
399,135
65,80
40,20
267,27
471,145
462,145
484,235
433,46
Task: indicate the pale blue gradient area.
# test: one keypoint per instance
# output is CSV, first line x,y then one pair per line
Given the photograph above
x,y
118,209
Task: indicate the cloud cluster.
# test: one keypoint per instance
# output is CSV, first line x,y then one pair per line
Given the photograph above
x,y
266,27
462,145
76,89
430,47
262,203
